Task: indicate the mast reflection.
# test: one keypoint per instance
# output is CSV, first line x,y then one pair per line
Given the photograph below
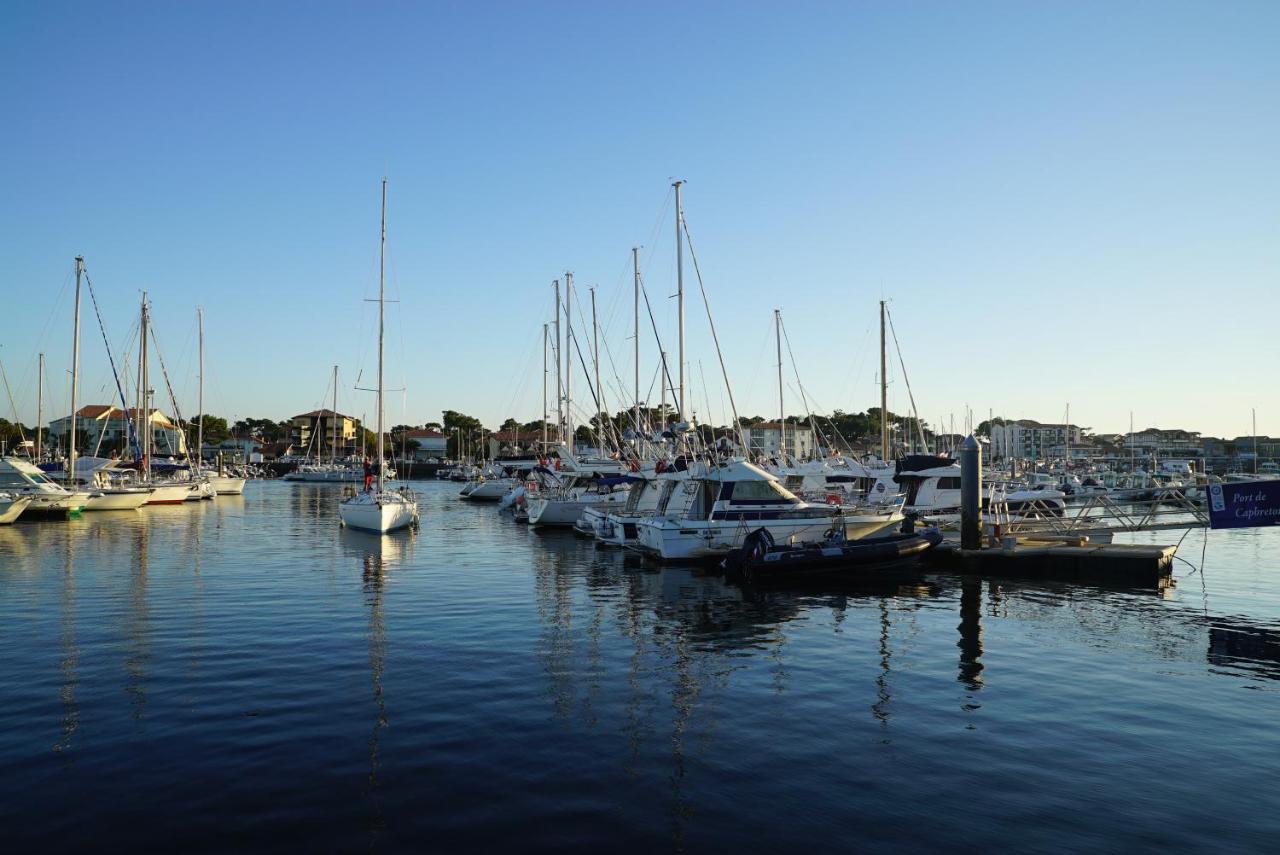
x,y
377,556
70,661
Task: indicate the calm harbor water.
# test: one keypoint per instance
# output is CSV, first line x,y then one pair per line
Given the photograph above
x,y
243,673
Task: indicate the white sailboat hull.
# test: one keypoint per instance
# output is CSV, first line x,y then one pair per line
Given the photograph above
x,y
225,485
378,513
168,494
117,500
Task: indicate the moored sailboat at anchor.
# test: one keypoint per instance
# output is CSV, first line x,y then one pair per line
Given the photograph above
x,y
377,509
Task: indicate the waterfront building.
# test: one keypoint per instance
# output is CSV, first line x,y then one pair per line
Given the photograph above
x,y
1030,439
321,425
104,428
515,443
432,444
234,449
1164,444
765,438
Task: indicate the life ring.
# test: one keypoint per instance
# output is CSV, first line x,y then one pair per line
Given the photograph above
x,y
833,499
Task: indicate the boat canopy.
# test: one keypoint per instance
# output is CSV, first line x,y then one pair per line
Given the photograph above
x,y
919,462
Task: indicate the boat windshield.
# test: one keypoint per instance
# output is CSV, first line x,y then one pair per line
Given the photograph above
x,y
633,499
755,493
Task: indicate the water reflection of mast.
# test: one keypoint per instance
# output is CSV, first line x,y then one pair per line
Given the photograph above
x,y
70,652
555,607
880,709
373,584
138,626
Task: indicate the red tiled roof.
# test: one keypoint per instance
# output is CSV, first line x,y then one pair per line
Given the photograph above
x,y
423,433
96,411
516,436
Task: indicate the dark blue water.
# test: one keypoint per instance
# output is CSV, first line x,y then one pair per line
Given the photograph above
x,y
244,674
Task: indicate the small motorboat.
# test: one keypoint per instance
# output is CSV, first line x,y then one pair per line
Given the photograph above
x,y
761,560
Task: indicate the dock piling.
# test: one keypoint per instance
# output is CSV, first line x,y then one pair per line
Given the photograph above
x,y
970,493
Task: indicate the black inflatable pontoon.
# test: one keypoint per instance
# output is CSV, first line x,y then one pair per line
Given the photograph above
x,y
760,559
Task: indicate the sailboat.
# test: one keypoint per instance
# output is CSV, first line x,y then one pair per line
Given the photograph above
x,y
380,510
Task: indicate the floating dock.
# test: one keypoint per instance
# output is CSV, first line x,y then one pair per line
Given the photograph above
x,y
1062,559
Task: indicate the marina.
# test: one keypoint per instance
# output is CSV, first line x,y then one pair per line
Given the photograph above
x,y
666,427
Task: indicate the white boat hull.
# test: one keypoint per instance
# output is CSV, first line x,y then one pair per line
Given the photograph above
x,y
11,509
117,500
56,503
490,491
378,513
168,494
225,485
565,512
687,540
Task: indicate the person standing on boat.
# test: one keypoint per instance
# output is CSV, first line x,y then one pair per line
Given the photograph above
x,y
368,473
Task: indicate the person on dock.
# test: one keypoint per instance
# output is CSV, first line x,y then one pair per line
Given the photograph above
x,y
368,473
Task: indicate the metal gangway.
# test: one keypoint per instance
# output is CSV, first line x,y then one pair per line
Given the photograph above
x,y
1101,515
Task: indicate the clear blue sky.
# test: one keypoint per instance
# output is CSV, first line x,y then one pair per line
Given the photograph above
x,y
1065,202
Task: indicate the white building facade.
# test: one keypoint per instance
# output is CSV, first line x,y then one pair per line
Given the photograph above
x,y
1029,440
766,438
104,428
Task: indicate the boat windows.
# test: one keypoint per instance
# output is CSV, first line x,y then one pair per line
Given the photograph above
x,y
948,483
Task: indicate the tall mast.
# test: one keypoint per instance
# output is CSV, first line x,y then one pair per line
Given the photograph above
x,y
75,377
144,393
1067,465
595,358
544,388
635,266
662,402
39,404
782,409
333,452
568,360
559,382
1254,414
1131,460
884,395
200,393
680,291
382,269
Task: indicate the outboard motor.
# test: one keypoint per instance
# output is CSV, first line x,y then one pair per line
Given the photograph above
x,y
754,546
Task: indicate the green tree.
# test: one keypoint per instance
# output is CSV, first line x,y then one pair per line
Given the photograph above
x,y
461,430
215,430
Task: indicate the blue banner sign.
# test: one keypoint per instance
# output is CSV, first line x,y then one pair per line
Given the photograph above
x,y
1248,504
